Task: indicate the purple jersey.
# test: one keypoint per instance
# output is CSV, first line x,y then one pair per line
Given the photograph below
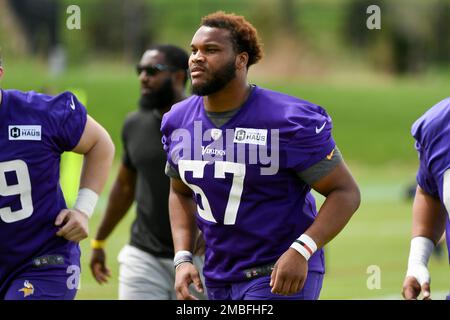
x,y
432,134
34,130
251,205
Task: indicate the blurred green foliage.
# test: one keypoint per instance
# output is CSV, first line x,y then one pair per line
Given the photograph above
x,y
414,33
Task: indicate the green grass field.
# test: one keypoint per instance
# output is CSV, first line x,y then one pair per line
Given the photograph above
x,y
372,119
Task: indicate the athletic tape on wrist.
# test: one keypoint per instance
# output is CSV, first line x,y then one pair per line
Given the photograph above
x,y
305,245
86,201
419,255
182,256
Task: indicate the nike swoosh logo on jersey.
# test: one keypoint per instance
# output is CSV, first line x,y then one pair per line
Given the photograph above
x,y
319,130
72,103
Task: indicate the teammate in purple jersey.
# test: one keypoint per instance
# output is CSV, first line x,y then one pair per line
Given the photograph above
x,y
242,161
39,251
431,206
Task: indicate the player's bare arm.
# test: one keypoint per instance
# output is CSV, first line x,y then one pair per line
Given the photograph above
x,y
428,216
342,200
98,150
428,224
182,220
119,202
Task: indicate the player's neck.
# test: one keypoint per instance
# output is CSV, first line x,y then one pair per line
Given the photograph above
x,y
232,96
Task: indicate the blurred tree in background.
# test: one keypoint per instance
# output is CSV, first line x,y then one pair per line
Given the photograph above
x,y
40,29
414,34
117,26
441,36
289,13
299,35
40,22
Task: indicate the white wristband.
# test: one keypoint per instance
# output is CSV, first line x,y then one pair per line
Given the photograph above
x,y
181,257
86,201
419,255
305,245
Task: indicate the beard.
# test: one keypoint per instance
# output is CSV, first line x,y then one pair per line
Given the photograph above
x,y
160,98
219,80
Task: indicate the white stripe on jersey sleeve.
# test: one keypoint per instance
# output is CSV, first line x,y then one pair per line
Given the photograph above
x,y
446,191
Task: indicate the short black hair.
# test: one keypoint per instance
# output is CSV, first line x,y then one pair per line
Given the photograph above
x,y
175,57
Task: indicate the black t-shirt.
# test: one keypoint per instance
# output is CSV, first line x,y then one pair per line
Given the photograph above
x,y
144,154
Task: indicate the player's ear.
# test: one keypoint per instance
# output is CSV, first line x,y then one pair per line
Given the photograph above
x,y
1,72
241,60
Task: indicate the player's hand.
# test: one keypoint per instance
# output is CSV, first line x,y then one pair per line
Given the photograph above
x,y
412,289
289,273
186,274
98,266
74,225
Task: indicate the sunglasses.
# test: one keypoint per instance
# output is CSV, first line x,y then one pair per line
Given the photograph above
x,y
153,70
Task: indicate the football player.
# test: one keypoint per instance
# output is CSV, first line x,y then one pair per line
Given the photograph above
x,y
242,161
39,235
431,206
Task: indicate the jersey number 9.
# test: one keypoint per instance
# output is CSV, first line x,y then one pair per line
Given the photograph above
x,y
22,188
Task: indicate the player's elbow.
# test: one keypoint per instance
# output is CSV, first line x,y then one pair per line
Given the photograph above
x,y
109,146
357,197
95,143
347,195
353,196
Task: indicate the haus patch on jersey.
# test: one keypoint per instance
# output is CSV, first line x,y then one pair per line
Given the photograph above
x,y
16,132
250,136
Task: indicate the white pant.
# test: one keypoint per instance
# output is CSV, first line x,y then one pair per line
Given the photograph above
x,y
143,276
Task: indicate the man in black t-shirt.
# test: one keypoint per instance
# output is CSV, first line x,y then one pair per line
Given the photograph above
x,y
146,263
